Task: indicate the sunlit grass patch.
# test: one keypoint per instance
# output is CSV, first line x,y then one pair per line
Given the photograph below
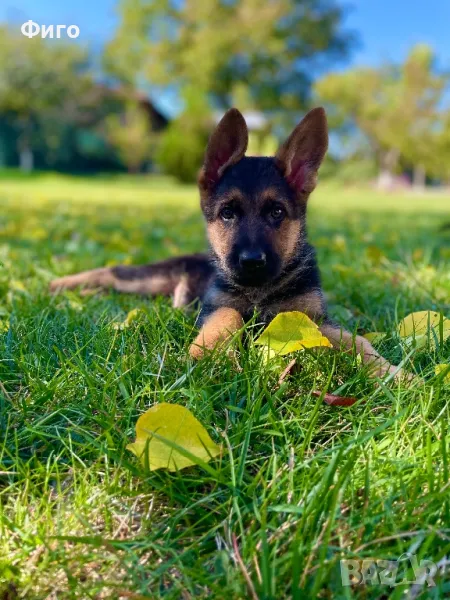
x,y
299,484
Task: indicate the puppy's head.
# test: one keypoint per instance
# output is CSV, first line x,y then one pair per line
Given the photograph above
x,y
255,206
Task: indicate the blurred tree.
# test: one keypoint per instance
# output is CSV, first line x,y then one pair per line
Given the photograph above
x,y
131,135
440,163
182,144
422,88
397,108
40,85
274,47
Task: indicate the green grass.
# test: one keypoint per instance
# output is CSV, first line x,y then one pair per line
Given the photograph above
x,y
300,485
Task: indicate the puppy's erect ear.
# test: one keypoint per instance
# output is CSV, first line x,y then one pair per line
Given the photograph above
x,y
226,147
300,156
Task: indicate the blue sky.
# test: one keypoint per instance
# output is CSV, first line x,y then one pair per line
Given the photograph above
x,y
387,28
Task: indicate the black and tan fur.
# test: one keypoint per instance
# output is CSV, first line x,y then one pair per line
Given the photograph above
x,y
259,259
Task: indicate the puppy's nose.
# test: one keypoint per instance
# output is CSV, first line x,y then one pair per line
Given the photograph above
x,y
252,259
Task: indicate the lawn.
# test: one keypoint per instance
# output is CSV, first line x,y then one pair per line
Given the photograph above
x,y
299,485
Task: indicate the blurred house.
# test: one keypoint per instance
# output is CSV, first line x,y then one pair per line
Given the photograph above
x,y
261,141
77,141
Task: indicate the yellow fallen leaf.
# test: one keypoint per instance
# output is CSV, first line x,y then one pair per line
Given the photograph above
x,y
394,238
133,315
37,233
291,331
417,254
322,242
438,369
339,242
17,286
342,269
374,254
418,322
367,236
421,326
76,305
165,426
128,260
375,337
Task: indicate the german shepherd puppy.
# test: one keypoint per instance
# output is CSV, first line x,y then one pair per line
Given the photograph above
x,y
259,259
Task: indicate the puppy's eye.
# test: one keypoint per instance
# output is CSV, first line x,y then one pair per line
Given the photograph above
x,y
277,213
227,213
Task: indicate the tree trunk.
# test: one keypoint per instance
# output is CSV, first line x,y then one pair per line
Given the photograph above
x,y
26,160
386,177
419,178
133,169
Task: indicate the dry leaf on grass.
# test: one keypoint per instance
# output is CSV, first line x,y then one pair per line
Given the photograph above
x,y
438,369
417,328
333,400
290,332
168,436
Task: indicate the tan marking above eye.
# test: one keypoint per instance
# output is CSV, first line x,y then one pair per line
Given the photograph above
x,y
231,198
270,194
231,195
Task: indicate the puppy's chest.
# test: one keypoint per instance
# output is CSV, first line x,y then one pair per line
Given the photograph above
x,y
256,301
269,301
248,302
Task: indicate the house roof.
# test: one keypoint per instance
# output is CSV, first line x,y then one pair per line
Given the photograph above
x,y
255,120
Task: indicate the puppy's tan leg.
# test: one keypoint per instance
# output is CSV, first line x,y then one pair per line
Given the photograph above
x,y
340,338
182,294
101,278
138,282
218,328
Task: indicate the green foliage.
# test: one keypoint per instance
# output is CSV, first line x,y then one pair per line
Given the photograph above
x,y
218,45
182,144
261,144
131,135
181,150
354,171
397,107
41,86
38,75
299,486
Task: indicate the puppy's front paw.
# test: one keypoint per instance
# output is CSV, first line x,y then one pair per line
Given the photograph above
x,y
205,343
217,330
399,374
197,351
388,369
